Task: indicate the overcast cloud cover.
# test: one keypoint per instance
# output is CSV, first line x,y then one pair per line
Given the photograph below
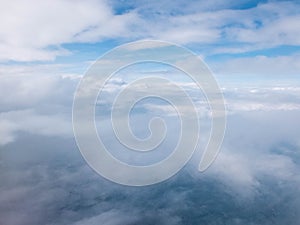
x,y
253,48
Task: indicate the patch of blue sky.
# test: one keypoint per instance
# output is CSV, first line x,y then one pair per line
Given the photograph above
x,y
86,51
247,4
121,7
179,7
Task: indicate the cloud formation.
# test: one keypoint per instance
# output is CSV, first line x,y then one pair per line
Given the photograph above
x,y
255,179
37,31
34,31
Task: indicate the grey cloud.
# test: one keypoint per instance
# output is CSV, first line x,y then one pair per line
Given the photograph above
x,y
253,181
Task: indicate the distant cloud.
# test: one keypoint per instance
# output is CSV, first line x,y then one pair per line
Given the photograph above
x,y
29,121
263,66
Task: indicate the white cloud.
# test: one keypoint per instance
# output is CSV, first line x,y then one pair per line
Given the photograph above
x,y
236,171
29,121
36,99
7,129
232,30
258,147
34,30
248,97
242,170
280,27
259,66
23,86
140,45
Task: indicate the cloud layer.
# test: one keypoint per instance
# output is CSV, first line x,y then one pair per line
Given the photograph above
x,y
45,176
37,31
254,50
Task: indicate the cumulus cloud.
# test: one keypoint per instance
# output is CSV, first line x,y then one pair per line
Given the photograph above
x,y
27,85
36,99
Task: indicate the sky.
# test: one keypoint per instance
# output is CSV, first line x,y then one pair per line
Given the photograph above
x,y
251,47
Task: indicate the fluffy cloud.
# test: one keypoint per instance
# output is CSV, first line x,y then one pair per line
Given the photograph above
x,y
36,99
31,122
32,30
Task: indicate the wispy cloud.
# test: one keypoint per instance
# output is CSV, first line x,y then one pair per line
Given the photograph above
x,y
35,31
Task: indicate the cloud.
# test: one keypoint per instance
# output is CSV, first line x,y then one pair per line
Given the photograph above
x,y
239,97
279,28
244,171
285,66
36,31
36,99
45,180
57,187
29,121
112,217
26,85
49,179
32,30
263,25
